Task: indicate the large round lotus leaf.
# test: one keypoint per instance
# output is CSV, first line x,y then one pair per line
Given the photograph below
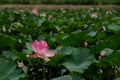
x,y
79,60
66,77
8,70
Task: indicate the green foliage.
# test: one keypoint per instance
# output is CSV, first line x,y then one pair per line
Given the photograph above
x,y
113,59
68,77
79,60
114,27
77,38
9,70
9,55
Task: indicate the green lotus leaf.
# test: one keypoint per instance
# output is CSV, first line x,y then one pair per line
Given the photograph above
x,y
9,70
79,60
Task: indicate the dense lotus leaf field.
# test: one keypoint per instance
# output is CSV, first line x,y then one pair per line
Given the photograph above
x,y
84,44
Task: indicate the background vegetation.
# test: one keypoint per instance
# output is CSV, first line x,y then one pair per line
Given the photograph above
x,y
82,2
78,37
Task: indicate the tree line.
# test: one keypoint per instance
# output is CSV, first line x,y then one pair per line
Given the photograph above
x,y
76,2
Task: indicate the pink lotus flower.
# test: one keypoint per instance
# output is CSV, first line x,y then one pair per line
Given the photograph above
x,y
108,12
94,15
42,50
35,11
62,9
103,53
50,17
43,15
